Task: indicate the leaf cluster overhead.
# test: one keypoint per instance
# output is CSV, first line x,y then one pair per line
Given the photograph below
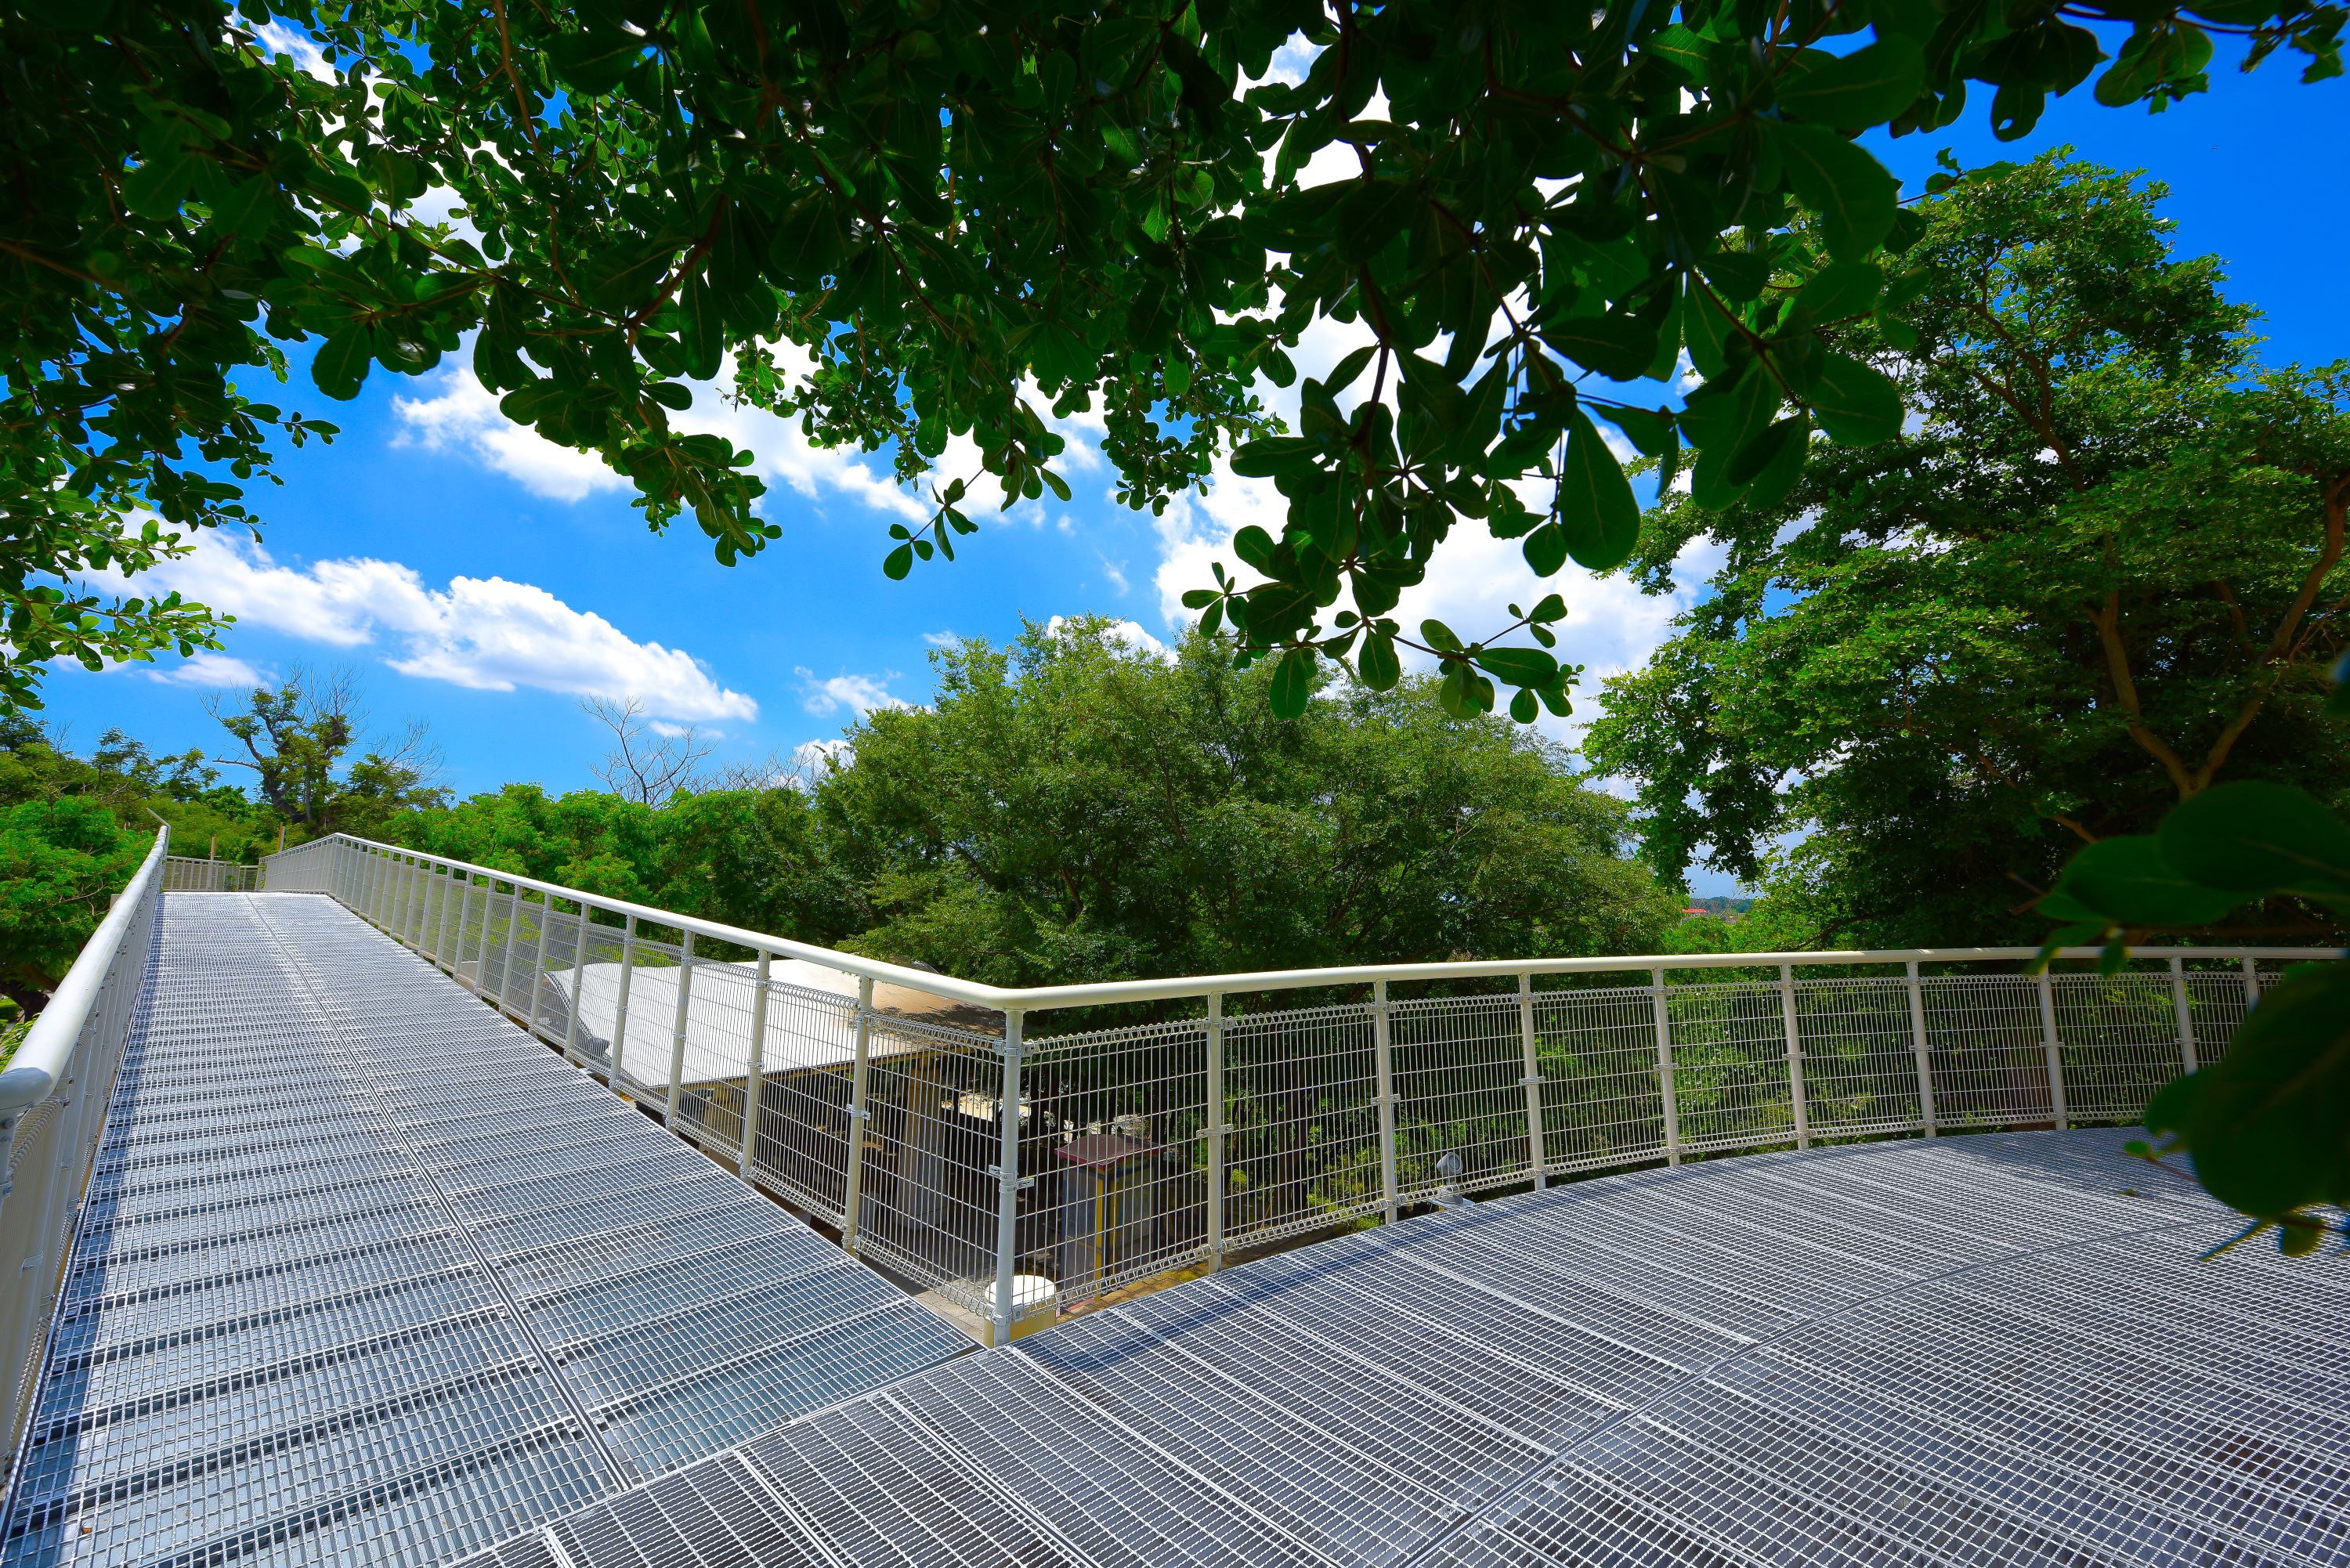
x,y
956,215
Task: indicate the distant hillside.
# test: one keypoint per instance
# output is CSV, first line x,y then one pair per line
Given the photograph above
x,y
1721,907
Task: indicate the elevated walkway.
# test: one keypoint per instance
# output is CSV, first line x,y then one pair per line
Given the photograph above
x,y
365,1274
1996,1350
361,1273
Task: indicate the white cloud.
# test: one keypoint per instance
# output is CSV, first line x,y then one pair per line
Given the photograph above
x,y
210,670
861,694
1114,572
463,416
940,638
1611,626
485,633
278,38
812,761
1130,633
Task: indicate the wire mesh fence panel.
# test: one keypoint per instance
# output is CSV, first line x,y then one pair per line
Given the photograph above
x,y
1859,1059
807,1075
1115,1151
1303,1145
1596,1053
929,1199
708,1071
547,1012
1987,1054
2217,1006
590,986
2118,1040
640,1037
1731,1083
1459,1083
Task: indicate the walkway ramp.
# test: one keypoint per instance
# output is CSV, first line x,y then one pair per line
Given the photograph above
x,y
365,1275
1997,1350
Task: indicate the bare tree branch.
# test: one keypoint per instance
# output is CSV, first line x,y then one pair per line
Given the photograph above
x,y
645,764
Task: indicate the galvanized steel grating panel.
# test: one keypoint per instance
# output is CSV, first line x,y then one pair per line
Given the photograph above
x,y
363,1276
1984,1350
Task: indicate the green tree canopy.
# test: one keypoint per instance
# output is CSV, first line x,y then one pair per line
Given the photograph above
x,y
960,213
2101,570
747,858
1072,808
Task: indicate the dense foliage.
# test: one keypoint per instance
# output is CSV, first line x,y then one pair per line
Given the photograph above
x,y
956,212
748,857
73,828
1070,807
2100,572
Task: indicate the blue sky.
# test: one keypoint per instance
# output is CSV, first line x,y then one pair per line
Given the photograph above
x,y
473,577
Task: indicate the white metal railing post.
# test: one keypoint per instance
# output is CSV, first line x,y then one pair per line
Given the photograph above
x,y
1216,1130
2185,1019
506,949
440,953
419,887
578,991
412,881
366,904
1795,1056
1918,1044
861,1090
465,914
677,1033
617,1068
539,956
2055,1052
754,1080
1383,1058
1536,1158
2251,982
1007,1174
1665,1065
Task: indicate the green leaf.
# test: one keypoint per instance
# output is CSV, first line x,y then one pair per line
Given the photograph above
x,y
898,563
2131,882
1618,347
1850,191
1855,402
1545,549
1292,683
808,245
2260,839
1528,666
1273,455
593,61
1868,87
1377,664
1594,508
1840,292
2269,1127
341,366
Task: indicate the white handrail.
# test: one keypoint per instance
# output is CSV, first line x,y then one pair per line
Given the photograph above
x,y
1049,997
40,1060
53,1100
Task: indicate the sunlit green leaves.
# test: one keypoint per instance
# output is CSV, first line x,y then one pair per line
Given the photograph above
x,y
956,217
1598,519
2269,1127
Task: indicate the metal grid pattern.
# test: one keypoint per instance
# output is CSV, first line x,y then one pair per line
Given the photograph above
x,y
364,1275
959,1145
190,874
1990,1350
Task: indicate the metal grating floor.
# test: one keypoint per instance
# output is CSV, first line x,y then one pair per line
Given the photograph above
x,y
365,1275
1980,1350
